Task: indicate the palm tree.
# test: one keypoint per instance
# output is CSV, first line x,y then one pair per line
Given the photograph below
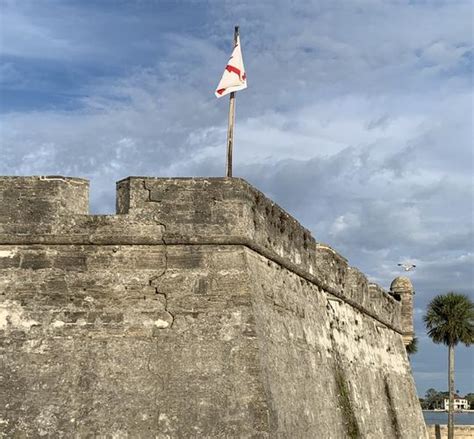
x,y
412,347
449,320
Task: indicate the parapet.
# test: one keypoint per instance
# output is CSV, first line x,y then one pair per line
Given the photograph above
x,y
41,198
186,211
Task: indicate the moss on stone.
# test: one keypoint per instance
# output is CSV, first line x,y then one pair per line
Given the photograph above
x,y
391,410
350,421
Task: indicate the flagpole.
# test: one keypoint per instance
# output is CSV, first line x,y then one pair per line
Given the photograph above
x,y
230,128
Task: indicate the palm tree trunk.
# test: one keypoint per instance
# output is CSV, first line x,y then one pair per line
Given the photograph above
x,y
451,392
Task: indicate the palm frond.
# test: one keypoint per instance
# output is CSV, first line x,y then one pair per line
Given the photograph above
x,y
449,319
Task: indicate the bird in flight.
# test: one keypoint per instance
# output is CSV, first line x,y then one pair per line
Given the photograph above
x,y
406,266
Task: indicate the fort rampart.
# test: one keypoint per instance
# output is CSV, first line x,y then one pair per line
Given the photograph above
x,y
201,309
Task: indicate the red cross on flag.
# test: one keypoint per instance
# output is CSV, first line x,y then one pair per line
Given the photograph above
x,y
234,78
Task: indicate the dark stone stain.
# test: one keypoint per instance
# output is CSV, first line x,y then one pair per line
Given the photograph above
x,y
392,412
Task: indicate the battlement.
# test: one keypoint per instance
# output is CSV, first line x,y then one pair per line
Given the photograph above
x,y
54,210
41,198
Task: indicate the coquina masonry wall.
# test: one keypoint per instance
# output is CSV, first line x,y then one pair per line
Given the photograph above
x,y
201,309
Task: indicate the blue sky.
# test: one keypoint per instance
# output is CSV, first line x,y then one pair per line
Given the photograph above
x,y
357,120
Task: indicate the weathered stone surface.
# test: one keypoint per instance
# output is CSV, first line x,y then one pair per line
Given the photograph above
x,y
134,340
201,309
40,198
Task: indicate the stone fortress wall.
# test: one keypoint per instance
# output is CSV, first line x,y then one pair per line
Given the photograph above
x,y
201,309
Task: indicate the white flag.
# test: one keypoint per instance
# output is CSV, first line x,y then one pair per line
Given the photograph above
x,y
234,77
